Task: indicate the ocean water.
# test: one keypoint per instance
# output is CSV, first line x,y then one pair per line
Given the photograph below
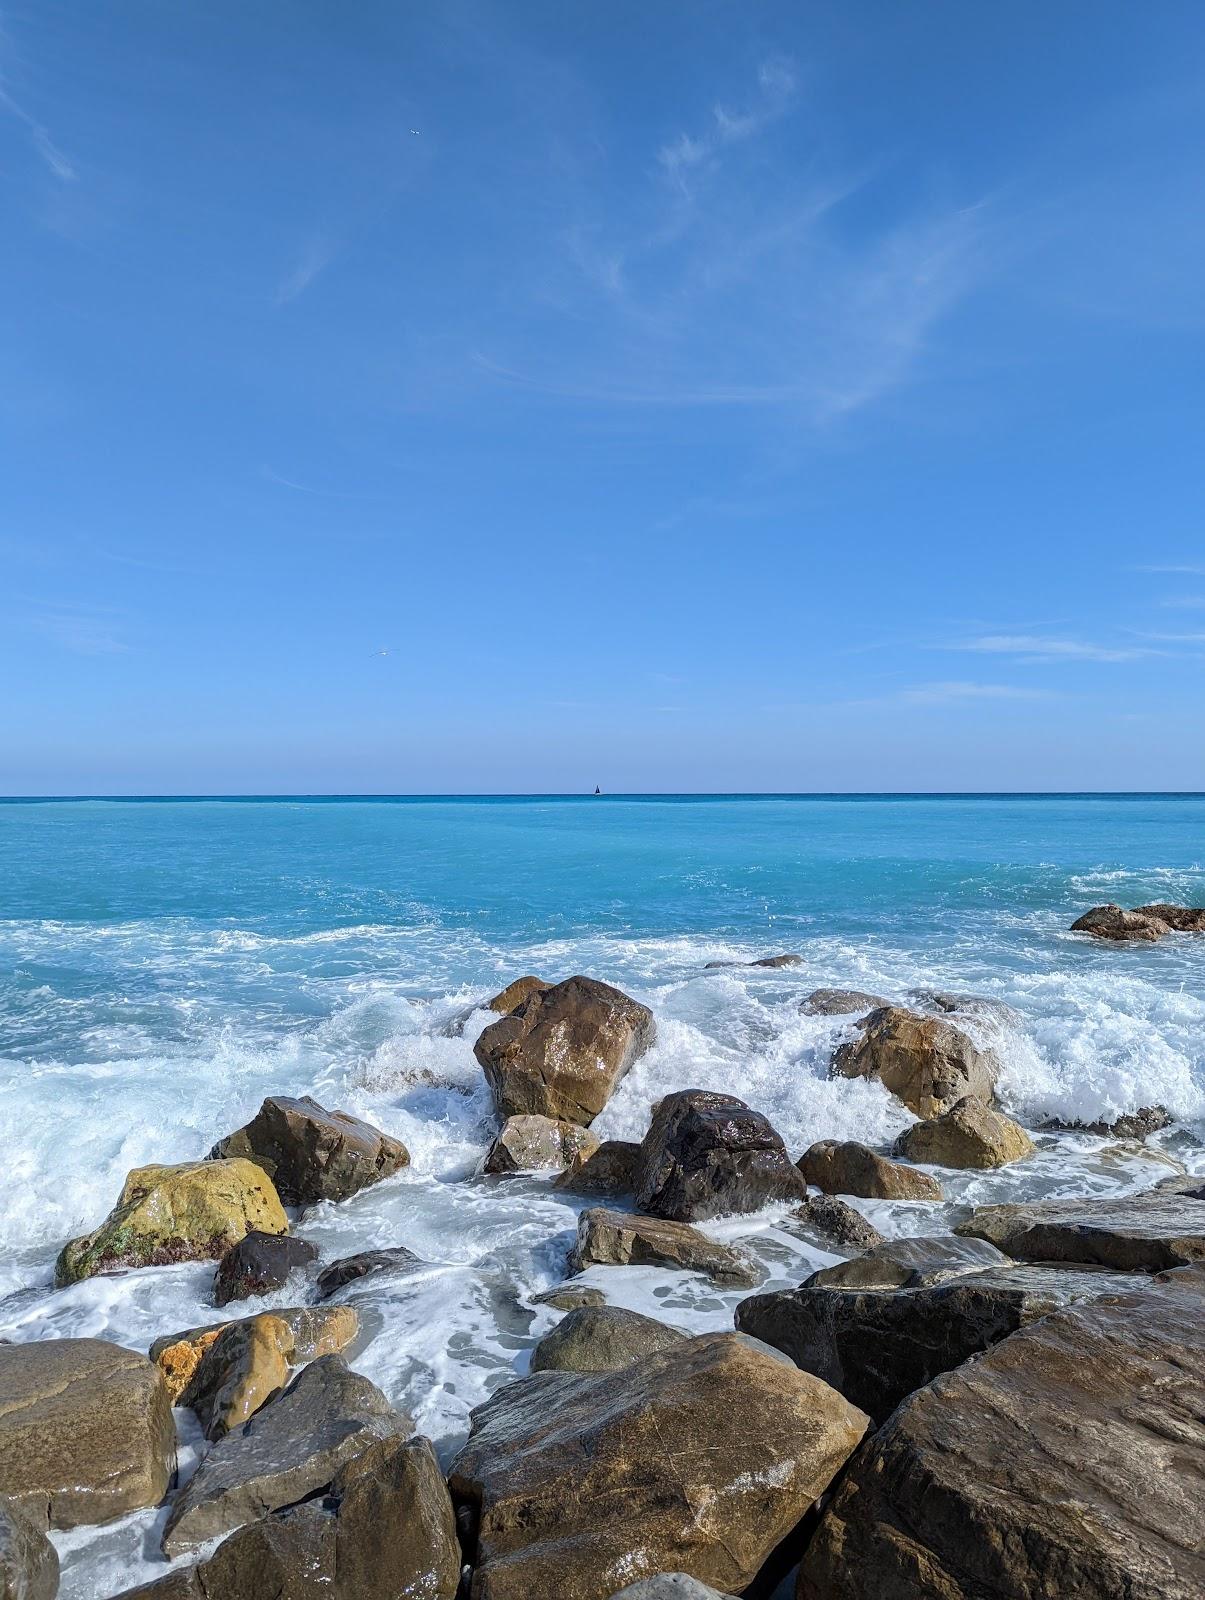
x,y
165,965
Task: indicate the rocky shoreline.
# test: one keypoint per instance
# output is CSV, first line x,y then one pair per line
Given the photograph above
x,y
1010,1410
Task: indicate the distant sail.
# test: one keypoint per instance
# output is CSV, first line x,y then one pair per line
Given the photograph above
x,y
597,790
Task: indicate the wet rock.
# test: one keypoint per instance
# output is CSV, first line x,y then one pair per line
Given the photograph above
x,y
312,1154
1191,1186
1132,1233
1131,1125
1180,919
86,1431
383,1529
841,1003
698,1459
916,1263
515,993
613,1238
1065,1463
258,1263
974,1005
969,1134
851,1168
368,1263
926,1062
786,960
610,1170
708,1155
570,1297
563,1050
601,1339
285,1453
876,1346
179,1360
534,1144
315,1330
245,1366
670,1586
191,1212
835,1223
29,1563
1111,922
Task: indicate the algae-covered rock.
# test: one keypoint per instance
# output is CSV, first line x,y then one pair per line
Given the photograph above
x,y
191,1212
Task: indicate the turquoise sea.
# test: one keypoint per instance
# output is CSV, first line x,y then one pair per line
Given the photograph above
x,y
165,964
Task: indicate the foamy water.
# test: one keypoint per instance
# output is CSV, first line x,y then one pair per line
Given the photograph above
x,y
163,969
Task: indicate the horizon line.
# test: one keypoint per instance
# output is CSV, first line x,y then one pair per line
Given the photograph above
x,y
351,796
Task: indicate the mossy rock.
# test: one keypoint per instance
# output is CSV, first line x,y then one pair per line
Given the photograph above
x,y
191,1212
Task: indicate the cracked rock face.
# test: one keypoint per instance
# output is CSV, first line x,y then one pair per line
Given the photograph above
x,y
1133,1233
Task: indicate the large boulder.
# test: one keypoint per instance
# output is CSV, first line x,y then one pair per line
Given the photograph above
x,y
926,1062
313,1331
312,1154
562,1051
518,990
366,1264
1064,1464
969,1134
538,1144
245,1366
841,1003
601,1339
615,1239
708,1155
831,1222
1111,922
283,1454
86,1431
698,1459
191,1212
609,1170
29,1563
919,1262
1133,1233
259,1263
383,1529
876,1346
852,1168
1180,919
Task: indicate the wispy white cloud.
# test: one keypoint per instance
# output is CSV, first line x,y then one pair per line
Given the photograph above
x,y
684,153
82,629
1033,648
54,158
952,693
312,263
1187,571
1184,602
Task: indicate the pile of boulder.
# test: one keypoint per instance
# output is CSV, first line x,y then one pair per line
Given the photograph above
x,y
1145,923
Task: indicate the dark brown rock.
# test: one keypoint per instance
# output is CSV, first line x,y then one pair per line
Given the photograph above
x,y
833,1222
786,960
610,1170
86,1431
698,1459
613,1238
536,1144
29,1563
601,1339
708,1155
1064,1464
1180,919
926,1061
312,1154
515,993
968,1135
841,1003
259,1263
368,1263
1133,1233
1111,922
562,1051
1130,1125
851,1168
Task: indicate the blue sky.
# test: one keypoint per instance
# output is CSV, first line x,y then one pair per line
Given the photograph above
x,y
702,396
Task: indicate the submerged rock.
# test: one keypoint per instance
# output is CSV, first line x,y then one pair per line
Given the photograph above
x,y
1065,1463
613,1238
601,1339
562,1051
312,1154
383,1529
919,1262
258,1263
834,1222
973,1005
841,1003
708,1155
520,989
851,1168
969,1134
609,1170
86,1431
284,1454
927,1062
535,1144
191,1212
699,1459
785,960
877,1345
1132,1233
244,1367
368,1263
1111,922
29,1563
1130,1125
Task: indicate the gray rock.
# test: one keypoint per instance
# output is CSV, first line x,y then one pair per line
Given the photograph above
x,y
787,960
312,1154
615,1239
537,1144
349,1269
1192,1186
833,1222
841,1003
972,1005
1134,1233
876,1346
86,1431
570,1297
1131,1125
601,1339
610,1170
670,1586
284,1454
916,1263
29,1563
259,1263
708,1155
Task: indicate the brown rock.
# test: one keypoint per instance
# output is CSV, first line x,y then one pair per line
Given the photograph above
x,y
1064,1464
610,1170
245,1367
926,1061
259,1263
1132,1233
312,1154
969,1134
1180,919
852,1168
29,1563
841,1003
920,1262
1130,1125
368,1263
536,1144
570,1297
708,1155
1111,922
563,1050
613,1238
601,1339
316,1331
833,1222
86,1431
515,993
698,1459
180,1360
